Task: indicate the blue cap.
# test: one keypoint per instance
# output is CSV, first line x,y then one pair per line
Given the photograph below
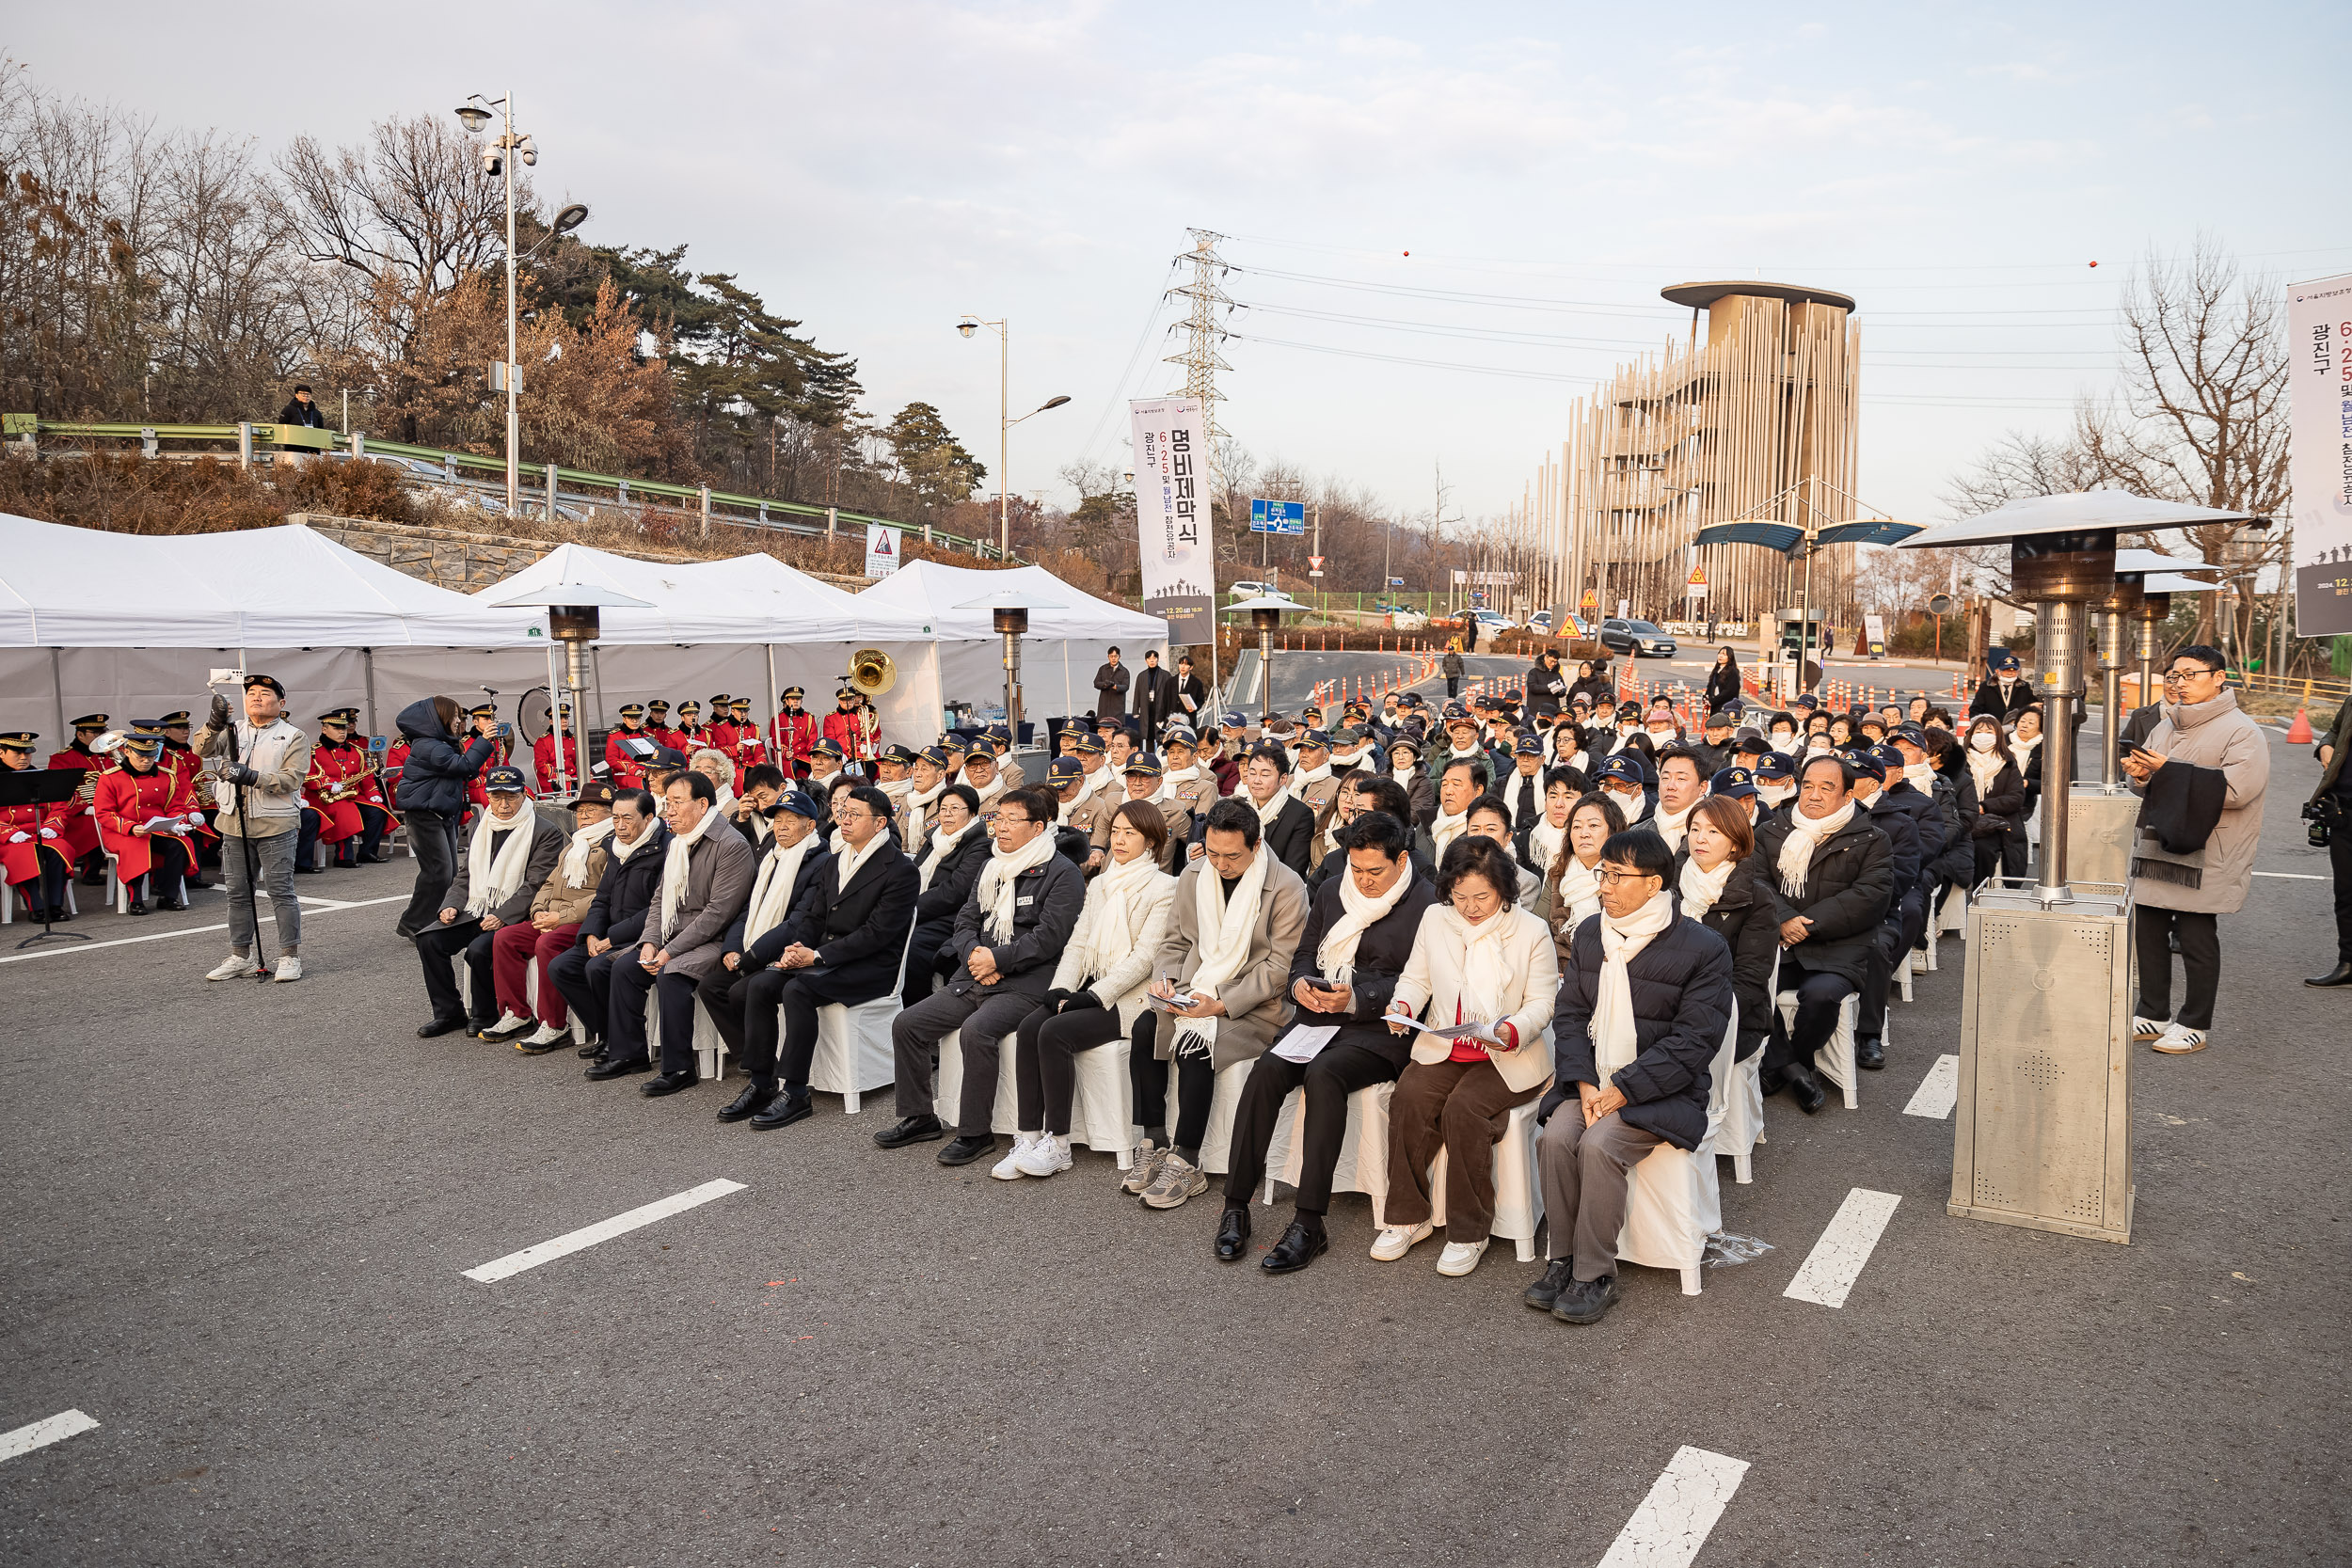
x,y
996,734
1529,746
1912,733
1890,761
1863,762
1235,720
1316,737
1808,702
1063,770
1089,744
935,755
1620,769
798,802
2004,659
1143,764
1737,783
828,747
903,756
1772,769
503,780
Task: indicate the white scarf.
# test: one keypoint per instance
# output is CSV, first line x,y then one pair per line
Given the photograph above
x,y
1922,776
1806,834
995,787
897,789
618,853
1444,830
1336,954
584,841
921,800
772,893
1095,782
1300,781
998,877
493,882
1579,888
850,860
1221,944
725,801
1175,776
2024,748
1700,889
942,845
1407,777
1486,970
674,869
1544,842
1272,809
1346,762
1671,825
1985,767
1616,1041
1124,891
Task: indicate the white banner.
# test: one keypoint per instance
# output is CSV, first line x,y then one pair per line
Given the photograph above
x,y
1171,453
882,550
2319,460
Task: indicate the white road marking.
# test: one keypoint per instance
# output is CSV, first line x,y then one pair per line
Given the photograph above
x,y
1675,1520
308,908
1937,1092
603,1230
55,1429
1836,1262
2291,876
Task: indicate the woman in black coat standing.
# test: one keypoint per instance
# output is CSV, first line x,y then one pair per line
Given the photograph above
x,y
1715,884
1722,682
1999,827
1592,683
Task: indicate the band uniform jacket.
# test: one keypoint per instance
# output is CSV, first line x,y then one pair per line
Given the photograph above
x,y
339,783
126,800
626,771
77,831
22,861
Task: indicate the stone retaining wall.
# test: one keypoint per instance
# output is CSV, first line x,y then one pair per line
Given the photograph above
x,y
465,562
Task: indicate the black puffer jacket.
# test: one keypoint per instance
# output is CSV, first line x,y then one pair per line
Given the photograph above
x,y
1848,885
1682,996
1740,917
437,773
956,876
1956,861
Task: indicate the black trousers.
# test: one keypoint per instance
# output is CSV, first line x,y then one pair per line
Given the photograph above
x,y
585,982
2201,958
922,954
625,1034
1820,994
1196,1094
2340,861
166,877
438,944
307,846
434,838
748,1006
354,852
1044,1069
1338,1069
47,891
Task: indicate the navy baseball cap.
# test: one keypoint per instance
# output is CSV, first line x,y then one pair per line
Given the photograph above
x,y
935,755
1864,762
503,780
1772,769
1320,738
1090,744
1529,746
903,756
2005,660
1890,761
1737,783
1063,770
1808,702
1910,733
798,802
1235,720
828,747
1620,769
1143,764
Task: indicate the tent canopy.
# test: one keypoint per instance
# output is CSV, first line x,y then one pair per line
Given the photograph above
x,y
283,587
743,599
933,593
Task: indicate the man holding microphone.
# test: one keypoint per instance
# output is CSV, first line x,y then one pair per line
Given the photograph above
x,y
262,762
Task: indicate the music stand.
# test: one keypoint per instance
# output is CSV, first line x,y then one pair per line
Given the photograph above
x,y
42,786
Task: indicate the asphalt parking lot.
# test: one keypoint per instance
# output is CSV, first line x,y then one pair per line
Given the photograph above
x,y
240,1218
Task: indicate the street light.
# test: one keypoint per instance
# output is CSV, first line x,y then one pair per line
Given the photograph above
x,y
1005,421
499,158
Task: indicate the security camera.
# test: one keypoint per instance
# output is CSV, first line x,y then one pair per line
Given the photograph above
x,y
492,161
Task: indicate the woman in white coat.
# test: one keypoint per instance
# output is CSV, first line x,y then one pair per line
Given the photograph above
x,y
1097,993
1478,959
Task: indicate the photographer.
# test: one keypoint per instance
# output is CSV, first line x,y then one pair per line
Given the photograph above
x,y
2331,810
432,796
259,798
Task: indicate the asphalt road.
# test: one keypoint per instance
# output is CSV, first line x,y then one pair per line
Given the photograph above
x,y
240,1215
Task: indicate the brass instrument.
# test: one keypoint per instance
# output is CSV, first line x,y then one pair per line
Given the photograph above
x,y
872,673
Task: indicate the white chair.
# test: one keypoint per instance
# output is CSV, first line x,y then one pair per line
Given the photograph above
x,y
709,1049
1518,1194
1363,1162
1671,1201
1743,1102
1902,975
1951,916
853,1053
1101,1114
1835,1060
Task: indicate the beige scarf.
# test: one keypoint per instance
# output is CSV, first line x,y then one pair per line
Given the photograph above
x,y
1335,954
1579,888
1222,927
1444,830
1700,889
1485,970
583,843
1671,825
1805,835
1119,897
852,860
943,843
1985,767
492,882
771,894
1544,842
1615,1042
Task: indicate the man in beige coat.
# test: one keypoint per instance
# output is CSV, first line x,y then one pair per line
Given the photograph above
x,y
2200,775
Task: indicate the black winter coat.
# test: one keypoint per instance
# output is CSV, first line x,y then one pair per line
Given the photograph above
x,y
617,912
1904,854
1956,861
1547,689
1989,699
437,773
952,882
859,932
1046,902
1723,688
1746,927
2001,809
1599,689
1848,886
771,946
1681,985
1291,835
1380,956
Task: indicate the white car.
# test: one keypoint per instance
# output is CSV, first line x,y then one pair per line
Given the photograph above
x,y
1402,619
1248,590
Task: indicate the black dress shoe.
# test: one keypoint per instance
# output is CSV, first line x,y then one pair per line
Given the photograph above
x,y
909,1129
962,1151
668,1083
1545,1294
1869,1054
786,1108
753,1101
305,870
1299,1247
138,906
439,1026
2340,975
179,903
1804,1087
611,1068
1584,1301
593,1047
1232,1235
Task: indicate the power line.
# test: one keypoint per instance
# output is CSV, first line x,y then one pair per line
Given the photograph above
x,y
1128,376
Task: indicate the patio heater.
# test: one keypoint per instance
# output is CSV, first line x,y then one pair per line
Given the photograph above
x,y
1266,614
1008,614
2041,1134
574,609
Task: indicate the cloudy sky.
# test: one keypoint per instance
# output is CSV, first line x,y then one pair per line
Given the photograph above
x,y
1448,219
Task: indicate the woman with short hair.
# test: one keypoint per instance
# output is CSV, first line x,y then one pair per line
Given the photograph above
x,y
1479,958
1404,755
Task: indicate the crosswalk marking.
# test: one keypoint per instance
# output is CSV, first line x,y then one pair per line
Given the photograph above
x,y
603,1230
1836,1259
1675,1519
41,1433
1937,1092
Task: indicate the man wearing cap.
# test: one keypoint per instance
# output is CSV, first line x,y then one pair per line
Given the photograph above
x,y
342,804
1621,779
145,816
1522,788
1156,699
844,726
77,832
485,716
1230,741
623,767
743,744
1090,810
1954,859
985,776
261,761
1110,687
544,764
720,734
1314,785
558,910
1187,789
999,741
951,746
2005,693
1064,781
615,916
917,810
433,780
1918,840
691,733
1775,784
1713,749
795,733
894,776
826,768
510,853
30,836
657,724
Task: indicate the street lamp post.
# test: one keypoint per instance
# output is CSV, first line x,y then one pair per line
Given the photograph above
x,y
497,158
1005,421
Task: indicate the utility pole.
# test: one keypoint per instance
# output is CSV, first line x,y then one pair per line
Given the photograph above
x,y
1204,329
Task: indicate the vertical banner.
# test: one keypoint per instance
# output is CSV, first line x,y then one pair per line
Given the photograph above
x,y
2319,460
1172,451
882,550
1874,636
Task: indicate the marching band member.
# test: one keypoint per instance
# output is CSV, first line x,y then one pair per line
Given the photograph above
x,y
77,831
626,771
795,733
31,848
145,817
501,752
721,733
178,756
542,762
691,734
746,748
342,799
846,728
657,724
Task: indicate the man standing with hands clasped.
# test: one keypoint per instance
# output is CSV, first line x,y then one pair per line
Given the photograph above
x,y
1110,687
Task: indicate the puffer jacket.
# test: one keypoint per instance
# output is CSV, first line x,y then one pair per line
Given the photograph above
x,y
1848,885
1681,985
1741,917
437,772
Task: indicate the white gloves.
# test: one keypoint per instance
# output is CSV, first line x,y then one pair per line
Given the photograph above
x,y
19,838
49,832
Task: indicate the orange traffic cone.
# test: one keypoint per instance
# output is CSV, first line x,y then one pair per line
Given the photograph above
x,y
2299,733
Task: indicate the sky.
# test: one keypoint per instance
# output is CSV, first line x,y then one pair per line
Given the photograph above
x,y
1447,221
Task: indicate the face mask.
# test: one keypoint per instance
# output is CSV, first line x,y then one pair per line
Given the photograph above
x,y
1659,735
1983,740
1782,738
1624,729
1775,794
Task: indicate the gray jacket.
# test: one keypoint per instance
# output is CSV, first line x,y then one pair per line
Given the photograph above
x,y
720,871
548,843
276,802
2217,735
1257,999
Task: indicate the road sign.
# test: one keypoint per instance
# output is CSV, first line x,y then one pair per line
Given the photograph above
x,y
1268,516
1697,577
1396,582
1591,600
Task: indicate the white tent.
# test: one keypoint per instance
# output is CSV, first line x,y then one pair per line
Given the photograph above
x,y
1060,654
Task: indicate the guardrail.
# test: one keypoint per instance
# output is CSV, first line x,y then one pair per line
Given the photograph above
x,y
550,485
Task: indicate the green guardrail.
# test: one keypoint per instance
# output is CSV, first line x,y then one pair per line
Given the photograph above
x,y
548,477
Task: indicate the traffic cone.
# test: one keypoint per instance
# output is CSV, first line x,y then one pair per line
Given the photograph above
x,y
2299,733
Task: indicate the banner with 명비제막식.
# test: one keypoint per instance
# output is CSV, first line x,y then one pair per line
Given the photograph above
x,y
2319,462
1171,455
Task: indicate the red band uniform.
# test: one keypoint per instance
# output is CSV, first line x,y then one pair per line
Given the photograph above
x,y
626,771
31,842
127,800
344,791
77,830
795,733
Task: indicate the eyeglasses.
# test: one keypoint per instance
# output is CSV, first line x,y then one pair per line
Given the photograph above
x,y
1608,875
2174,677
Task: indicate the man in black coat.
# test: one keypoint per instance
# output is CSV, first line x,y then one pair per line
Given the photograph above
x,y
1188,698
1900,818
1546,688
1829,922
1155,698
1110,687
1348,987
2004,692
1007,941
616,917
1289,831
792,858
1599,1125
843,944
301,410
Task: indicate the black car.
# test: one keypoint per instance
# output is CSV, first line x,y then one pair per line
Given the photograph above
x,y
1635,638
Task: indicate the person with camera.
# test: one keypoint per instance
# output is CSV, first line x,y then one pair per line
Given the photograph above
x,y
2201,776
262,762
434,781
2329,813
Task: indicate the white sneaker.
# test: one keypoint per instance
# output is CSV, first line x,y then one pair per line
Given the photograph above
x,y
508,1024
236,966
2146,1030
289,967
550,1033
1049,1154
1008,1168
1398,1240
1459,1257
2179,1040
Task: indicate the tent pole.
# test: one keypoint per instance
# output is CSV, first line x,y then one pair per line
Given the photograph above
x,y
57,685
595,679
367,663
555,727
768,725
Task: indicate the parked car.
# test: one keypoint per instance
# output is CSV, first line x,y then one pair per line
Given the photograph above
x,y
1540,621
1248,590
1635,638
1403,619
1491,621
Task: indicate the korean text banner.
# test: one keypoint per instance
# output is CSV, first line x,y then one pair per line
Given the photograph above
x,y
2319,463
1172,449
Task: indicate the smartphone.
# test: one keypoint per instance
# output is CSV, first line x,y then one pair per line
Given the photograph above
x,y
1316,982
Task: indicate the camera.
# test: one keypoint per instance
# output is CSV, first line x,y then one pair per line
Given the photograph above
x,y
493,161
2324,814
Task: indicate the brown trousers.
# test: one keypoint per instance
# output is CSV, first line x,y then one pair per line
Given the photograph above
x,y
1461,1107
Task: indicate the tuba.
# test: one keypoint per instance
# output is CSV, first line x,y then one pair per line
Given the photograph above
x,y
872,673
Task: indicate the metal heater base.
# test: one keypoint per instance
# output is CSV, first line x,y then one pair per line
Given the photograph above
x,y
2099,831
2043,1129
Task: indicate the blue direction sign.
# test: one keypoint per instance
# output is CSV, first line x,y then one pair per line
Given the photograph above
x,y
1268,516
